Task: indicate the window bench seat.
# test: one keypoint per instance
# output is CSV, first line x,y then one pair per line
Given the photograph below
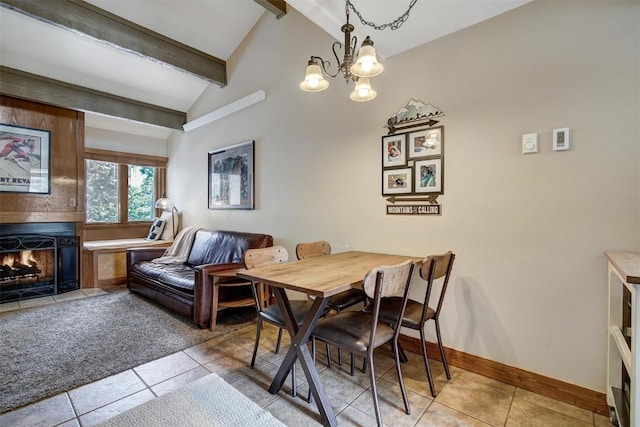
x,y
104,261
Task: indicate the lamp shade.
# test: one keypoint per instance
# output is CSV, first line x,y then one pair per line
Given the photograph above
x,y
363,91
314,81
367,64
164,203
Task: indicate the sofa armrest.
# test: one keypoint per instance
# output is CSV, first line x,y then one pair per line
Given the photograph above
x,y
202,290
143,254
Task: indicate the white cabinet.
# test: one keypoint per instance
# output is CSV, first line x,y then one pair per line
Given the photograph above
x,y
623,344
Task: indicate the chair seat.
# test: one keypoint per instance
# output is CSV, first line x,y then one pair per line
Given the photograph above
x,y
412,314
352,330
346,299
300,309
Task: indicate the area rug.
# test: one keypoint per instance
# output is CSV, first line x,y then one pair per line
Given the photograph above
x,y
55,348
208,401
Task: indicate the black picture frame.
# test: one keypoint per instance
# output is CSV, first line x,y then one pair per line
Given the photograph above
x,y
231,177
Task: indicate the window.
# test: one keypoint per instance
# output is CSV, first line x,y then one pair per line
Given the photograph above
x,y
102,191
141,193
121,188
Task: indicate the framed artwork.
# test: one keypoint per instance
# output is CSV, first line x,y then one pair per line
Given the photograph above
x,y
396,181
231,177
427,142
25,160
428,176
394,150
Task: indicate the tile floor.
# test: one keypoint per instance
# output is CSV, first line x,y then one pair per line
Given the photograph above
x,y
467,399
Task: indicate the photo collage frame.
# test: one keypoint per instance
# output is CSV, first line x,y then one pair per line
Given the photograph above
x,y
413,162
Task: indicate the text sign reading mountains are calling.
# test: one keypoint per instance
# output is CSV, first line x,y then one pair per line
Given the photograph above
x,y
414,209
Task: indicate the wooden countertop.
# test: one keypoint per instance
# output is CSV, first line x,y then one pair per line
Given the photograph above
x,y
627,264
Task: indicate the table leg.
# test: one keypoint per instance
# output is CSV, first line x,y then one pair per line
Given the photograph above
x,y
299,339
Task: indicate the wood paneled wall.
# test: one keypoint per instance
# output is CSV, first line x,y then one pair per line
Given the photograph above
x,y
65,203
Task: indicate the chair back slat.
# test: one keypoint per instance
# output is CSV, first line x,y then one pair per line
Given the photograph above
x,y
312,249
395,279
435,267
254,258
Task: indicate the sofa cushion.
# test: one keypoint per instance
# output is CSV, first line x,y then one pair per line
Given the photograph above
x,y
178,276
223,247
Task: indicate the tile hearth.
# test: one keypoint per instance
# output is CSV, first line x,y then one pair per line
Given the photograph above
x,y
467,399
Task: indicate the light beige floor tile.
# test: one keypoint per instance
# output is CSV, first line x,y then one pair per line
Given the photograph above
x,y
109,411
165,368
100,393
71,295
601,421
563,408
233,367
212,350
256,388
295,411
48,412
37,302
415,374
353,417
71,423
9,306
391,404
438,415
477,396
527,414
91,292
179,381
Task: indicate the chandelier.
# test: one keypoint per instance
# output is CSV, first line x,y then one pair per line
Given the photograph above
x,y
360,71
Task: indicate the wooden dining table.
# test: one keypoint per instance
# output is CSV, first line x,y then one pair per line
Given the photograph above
x,y
320,277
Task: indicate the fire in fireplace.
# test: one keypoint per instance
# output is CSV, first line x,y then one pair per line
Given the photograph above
x,y
34,265
18,266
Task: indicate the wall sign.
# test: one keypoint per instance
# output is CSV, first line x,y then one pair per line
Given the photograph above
x,y
414,209
413,160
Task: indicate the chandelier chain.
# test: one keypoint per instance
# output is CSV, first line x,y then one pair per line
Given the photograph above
x,y
394,25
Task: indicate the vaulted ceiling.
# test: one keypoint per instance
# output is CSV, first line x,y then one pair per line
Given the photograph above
x,y
88,54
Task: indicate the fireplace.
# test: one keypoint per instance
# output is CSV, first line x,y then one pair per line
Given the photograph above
x,y
38,259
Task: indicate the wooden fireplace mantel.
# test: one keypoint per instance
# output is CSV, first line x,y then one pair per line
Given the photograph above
x,y
20,217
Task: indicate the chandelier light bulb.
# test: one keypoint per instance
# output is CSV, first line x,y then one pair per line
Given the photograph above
x,y
367,64
363,91
314,81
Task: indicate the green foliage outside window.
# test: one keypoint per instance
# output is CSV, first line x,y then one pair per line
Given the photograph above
x,y
102,191
103,198
141,193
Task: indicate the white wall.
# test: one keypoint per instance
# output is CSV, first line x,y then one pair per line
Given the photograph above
x,y
124,142
529,284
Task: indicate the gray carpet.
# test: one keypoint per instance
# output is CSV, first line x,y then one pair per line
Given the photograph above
x,y
208,401
50,349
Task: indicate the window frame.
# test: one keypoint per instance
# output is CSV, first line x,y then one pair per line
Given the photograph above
x,y
123,160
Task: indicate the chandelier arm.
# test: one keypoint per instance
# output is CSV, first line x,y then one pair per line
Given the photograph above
x,y
325,64
394,25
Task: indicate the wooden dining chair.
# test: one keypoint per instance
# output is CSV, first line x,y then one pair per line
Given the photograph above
x,y
361,332
254,258
338,302
417,314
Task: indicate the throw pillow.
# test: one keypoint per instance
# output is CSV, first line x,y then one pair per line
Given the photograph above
x,y
157,226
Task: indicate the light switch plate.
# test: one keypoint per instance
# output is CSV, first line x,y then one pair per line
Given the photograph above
x,y
529,143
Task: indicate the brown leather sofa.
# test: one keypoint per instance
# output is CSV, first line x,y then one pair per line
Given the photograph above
x,y
185,288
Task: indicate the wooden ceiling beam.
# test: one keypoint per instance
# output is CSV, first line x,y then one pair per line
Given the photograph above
x,y
20,84
277,7
82,17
